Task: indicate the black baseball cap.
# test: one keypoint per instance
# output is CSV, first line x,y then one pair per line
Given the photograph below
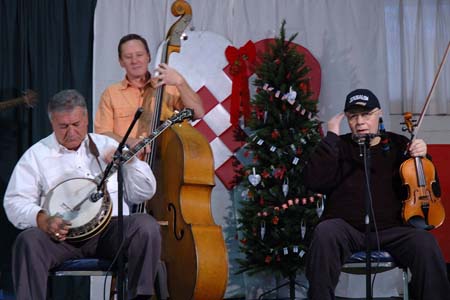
x,y
361,99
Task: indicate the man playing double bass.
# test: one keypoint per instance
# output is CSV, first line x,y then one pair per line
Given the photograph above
x,y
68,153
336,169
120,101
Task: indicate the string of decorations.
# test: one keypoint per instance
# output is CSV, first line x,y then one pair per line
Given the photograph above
x,y
291,98
282,153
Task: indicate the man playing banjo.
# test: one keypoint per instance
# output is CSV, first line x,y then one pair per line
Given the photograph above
x,y
72,159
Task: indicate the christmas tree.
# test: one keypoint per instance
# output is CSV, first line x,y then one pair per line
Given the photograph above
x,y
278,213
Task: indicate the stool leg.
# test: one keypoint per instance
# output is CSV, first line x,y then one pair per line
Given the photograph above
x,y
405,284
112,290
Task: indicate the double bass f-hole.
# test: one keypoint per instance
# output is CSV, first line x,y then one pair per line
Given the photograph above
x,y
179,237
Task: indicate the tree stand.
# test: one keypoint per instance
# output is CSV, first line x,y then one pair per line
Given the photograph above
x,y
292,283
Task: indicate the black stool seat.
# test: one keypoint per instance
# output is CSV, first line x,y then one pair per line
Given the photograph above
x,y
380,261
360,256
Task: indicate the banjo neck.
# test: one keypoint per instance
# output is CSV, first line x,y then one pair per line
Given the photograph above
x,y
186,113
113,166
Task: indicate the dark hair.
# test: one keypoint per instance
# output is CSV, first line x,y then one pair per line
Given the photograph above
x,y
130,37
66,100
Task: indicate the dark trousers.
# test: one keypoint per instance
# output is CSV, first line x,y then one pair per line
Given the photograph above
x,y
35,253
335,240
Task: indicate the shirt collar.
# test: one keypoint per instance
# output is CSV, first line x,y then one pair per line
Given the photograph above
x,y
61,149
125,83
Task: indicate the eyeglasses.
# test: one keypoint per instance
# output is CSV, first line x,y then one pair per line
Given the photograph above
x,y
364,115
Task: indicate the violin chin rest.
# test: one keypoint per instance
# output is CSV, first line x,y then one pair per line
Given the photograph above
x,y
419,222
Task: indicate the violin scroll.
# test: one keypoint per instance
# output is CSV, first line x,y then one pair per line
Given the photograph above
x,y
409,123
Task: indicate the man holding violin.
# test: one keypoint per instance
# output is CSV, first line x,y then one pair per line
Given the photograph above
x,y
336,169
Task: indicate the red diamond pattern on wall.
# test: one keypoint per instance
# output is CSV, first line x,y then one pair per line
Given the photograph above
x,y
226,172
216,127
228,138
208,99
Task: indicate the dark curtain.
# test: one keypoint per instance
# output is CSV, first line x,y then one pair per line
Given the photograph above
x,y
45,45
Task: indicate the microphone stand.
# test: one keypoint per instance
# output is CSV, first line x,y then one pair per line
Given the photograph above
x,y
364,147
118,158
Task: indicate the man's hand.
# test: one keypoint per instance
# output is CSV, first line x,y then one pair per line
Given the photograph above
x,y
132,142
334,123
168,75
56,227
418,147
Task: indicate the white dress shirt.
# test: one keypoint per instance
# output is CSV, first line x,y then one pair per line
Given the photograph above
x,y
47,163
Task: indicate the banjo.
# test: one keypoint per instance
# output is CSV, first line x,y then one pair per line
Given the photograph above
x,y
79,201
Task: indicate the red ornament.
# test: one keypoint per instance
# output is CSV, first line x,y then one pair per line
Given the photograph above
x,y
265,174
261,202
304,87
279,172
275,220
275,134
268,259
260,114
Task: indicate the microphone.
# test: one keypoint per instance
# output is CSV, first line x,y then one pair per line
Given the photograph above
x,y
363,138
94,197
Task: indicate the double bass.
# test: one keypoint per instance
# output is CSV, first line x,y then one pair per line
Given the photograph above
x,y
423,207
193,247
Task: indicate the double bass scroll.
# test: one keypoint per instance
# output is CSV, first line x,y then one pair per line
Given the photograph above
x,y
193,247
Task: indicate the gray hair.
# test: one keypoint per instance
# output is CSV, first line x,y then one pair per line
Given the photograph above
x,y
65,101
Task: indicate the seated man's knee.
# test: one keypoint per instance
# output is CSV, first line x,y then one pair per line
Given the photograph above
x,y
325,231
147,225
29,239
424,241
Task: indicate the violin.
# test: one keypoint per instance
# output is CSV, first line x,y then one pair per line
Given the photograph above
x,y
423,207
